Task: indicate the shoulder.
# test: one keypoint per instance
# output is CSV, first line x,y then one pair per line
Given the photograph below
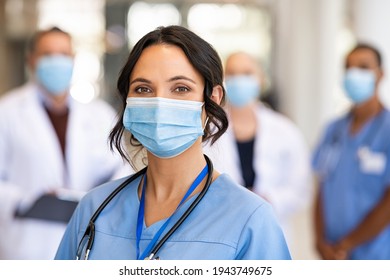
x,y
276,128
99,110
95,197
276,121
18,100
17,95
334,126
387,116
256,230
230,193
97,105
383,121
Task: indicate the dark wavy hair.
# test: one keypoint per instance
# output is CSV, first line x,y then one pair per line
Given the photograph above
x,y
203,58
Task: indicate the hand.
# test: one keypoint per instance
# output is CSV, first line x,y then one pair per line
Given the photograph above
x,y
341,250
340,254
325,250
331,252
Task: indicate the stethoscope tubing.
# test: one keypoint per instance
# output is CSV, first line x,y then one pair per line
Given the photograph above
x,y
90,230
154,251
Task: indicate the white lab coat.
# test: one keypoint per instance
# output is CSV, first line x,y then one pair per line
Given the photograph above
x,y
281,163
31,163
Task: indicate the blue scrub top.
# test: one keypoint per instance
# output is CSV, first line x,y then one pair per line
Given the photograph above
x,y
354,174
229,223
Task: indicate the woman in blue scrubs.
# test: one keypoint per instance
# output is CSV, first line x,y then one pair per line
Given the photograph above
x,y
352,164
171,91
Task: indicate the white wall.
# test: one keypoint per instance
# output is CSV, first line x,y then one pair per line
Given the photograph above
x,y
306,75
371,21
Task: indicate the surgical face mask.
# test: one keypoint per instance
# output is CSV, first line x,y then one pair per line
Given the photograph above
x,y
165,127
54,72
242,90
359,84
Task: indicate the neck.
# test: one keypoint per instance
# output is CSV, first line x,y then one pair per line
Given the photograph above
x,y
170,178
244,122
364,112
236,112
55,104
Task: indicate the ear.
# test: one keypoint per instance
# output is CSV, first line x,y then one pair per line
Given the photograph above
x,y
31,61
381,74
217,94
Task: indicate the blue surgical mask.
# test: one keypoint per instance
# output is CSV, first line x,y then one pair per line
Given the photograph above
x,y
242,89
359,84
54,73
165,127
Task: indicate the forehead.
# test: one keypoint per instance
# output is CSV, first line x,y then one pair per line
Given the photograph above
x,y
240,63
362,55
164,60
53,42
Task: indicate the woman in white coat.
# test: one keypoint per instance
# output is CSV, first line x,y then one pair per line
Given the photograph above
x,y
262,149
49,143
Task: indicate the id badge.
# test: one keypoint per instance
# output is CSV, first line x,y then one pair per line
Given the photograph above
x,y
371,162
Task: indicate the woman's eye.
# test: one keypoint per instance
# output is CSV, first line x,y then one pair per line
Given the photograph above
x,y
142,90
182,89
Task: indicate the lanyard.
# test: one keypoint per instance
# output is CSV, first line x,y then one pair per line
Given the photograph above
x,y
141,214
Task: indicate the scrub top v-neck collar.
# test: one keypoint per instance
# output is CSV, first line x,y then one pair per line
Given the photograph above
x,y
141,215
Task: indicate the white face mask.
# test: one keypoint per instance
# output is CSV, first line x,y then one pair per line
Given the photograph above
x,y
165,127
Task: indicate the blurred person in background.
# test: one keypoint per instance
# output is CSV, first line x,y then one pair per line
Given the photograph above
x,y
52,150
352,165
262,149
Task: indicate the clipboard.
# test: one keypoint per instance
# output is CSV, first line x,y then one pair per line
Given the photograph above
x,y
50,208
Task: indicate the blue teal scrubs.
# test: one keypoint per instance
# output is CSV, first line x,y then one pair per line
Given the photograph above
x,y
354,173
229,223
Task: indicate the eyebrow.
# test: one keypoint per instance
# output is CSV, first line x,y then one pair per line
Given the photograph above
x,y
175,78
141,80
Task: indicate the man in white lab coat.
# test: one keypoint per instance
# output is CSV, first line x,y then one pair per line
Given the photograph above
x,y
49,144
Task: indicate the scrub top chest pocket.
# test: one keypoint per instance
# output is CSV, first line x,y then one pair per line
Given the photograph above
x,y
371,162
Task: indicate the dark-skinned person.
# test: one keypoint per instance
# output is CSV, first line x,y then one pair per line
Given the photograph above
x,y
352,167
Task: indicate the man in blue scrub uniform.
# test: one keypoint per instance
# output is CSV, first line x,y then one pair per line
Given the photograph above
x,y
352,165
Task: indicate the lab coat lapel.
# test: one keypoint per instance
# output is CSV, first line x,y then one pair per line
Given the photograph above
x,y
46,138
260,151
232,161
76,147
85,161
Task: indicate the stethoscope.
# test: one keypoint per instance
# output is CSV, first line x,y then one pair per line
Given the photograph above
x,y
87,240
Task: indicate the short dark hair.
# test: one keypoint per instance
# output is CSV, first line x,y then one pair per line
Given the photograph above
x,y
33,42
366,46
204,59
